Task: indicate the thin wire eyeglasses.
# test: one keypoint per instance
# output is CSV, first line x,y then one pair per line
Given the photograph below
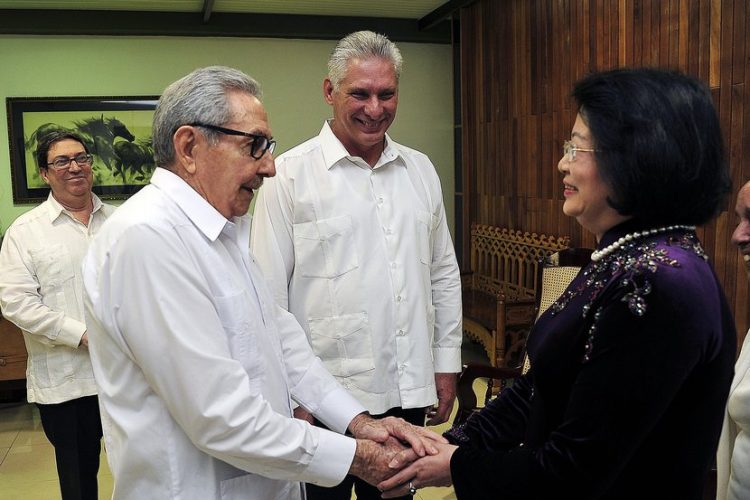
x,y
570,150
63,162
258,147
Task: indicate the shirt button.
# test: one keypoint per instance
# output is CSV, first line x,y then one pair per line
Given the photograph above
x,y
401,333
398,298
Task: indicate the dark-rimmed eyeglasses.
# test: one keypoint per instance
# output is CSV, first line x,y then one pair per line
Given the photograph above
x,y
570,150
63,162
258,147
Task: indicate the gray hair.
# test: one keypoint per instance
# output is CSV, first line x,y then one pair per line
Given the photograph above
x,y
361,45
200,96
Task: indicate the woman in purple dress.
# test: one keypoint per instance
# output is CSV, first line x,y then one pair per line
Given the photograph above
x,y
631,366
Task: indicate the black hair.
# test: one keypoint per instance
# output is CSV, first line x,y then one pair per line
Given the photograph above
x,y
46,141
659,144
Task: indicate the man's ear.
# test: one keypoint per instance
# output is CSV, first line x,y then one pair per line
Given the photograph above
x,y
43,174
185,141
328,91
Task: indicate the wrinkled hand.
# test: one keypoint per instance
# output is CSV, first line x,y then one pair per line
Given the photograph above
x,y
302,414
371,459
431,470
446,391
421,440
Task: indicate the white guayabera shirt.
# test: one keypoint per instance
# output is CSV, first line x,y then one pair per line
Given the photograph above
x,y
41,292
733,457
196,364
363,258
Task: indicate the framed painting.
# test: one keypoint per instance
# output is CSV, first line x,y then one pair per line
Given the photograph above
x,y
116,130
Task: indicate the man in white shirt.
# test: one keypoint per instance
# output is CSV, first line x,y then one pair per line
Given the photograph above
x,y
352,239
196,365
733,455
41,291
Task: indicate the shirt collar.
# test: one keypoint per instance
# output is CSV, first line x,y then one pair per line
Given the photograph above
x,y
334,151
54,208
201,213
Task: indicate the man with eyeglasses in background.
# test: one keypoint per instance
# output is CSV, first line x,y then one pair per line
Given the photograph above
x,y
41,292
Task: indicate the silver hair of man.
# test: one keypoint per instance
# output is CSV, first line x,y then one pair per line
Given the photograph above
x,y
200,96
361,45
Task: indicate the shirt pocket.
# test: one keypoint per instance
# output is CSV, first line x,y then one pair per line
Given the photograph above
x,y
426,222
325,248
54,366
241,331
52,266
343,343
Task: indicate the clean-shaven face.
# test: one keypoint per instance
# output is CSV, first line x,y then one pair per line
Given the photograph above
x,y
71,183
364,105
227,175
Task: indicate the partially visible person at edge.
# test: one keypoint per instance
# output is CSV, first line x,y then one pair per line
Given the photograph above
x,y
353,240
631,366
733,457
41,292
196,365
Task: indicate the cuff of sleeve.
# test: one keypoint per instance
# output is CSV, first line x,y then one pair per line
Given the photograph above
x,y
332,459
71,332
447,359
338,409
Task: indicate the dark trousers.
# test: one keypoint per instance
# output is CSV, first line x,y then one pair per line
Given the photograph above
x,y
75,430
363,490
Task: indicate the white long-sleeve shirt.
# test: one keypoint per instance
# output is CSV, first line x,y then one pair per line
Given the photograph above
x,y
733,456
41,292
364,260
195,363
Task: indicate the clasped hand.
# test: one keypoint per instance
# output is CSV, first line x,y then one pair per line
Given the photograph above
x,y
433,469
386,445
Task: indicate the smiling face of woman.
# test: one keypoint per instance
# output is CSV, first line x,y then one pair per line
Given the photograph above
x,y
584,190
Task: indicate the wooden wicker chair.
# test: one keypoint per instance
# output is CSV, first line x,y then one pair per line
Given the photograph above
x,y
498,293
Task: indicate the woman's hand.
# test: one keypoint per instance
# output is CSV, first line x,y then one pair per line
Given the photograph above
x,y
431,470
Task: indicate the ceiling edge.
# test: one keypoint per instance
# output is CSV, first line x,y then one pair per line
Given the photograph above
x,y
132,23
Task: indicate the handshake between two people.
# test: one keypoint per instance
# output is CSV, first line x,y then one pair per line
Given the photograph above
x,y
398,457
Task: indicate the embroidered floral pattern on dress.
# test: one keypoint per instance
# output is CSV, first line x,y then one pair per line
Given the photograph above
x,y
631,265
457,434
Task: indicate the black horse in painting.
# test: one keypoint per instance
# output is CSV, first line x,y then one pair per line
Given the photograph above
x,y
137,158
99,135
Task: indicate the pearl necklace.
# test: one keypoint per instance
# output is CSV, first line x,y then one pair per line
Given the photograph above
x,y
598,255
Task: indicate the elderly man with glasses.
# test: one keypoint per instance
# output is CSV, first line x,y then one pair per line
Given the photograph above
x,y
41,292
197,366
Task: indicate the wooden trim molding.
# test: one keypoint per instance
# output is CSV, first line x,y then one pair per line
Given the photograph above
x,y
218,24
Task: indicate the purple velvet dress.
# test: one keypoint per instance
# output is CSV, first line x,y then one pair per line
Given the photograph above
x,y
630,371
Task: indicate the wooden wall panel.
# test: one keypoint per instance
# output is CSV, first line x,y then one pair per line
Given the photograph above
x,y
519,60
